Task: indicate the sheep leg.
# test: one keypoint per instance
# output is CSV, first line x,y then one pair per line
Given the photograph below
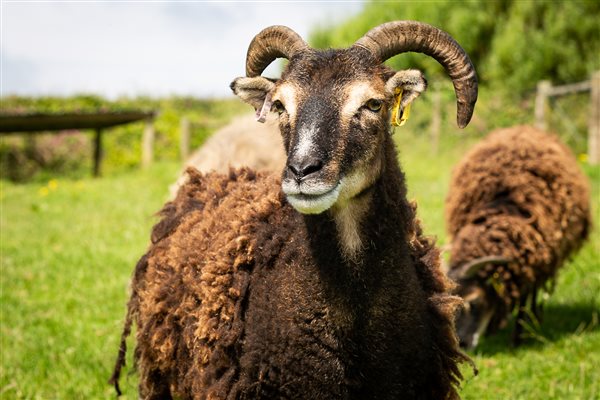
x,y
518,330
538,308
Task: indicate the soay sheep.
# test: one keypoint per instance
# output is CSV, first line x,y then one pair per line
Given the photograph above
x,y
318,284
241,143
517,208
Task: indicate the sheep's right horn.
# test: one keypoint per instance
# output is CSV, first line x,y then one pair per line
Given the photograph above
x,y
271,43
392,38
469,269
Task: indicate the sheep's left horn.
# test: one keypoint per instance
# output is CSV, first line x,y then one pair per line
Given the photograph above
x,y
392,38
271,43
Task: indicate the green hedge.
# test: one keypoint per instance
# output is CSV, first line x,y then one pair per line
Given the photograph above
x,y
25,157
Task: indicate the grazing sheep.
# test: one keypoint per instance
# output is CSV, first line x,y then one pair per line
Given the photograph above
x,y
517,208
241,143
318,284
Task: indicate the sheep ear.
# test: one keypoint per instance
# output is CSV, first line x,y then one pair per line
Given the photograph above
x,y
405,86
255,91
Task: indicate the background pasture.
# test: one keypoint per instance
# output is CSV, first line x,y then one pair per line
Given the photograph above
x,y
69,247
68,243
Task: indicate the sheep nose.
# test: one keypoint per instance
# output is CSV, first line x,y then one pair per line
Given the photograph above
x,y
301,168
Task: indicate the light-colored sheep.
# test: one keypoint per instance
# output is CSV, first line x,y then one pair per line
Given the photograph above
x,y
241,143
318,284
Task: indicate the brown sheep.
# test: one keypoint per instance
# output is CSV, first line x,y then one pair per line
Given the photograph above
x,y
318,284
517,208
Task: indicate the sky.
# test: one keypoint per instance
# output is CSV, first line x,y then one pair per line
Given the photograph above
x,y
131,48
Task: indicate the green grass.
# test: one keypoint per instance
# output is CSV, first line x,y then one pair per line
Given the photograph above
x,y
69,247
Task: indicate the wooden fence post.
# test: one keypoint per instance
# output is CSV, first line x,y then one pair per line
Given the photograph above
x,y
594,122
148,143
436,119
541,101
98,152
184,143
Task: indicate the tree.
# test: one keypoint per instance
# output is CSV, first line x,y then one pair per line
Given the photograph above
x,y
512,43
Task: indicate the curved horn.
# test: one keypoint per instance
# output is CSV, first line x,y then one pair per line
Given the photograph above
x,y
469,269
397,37
271,43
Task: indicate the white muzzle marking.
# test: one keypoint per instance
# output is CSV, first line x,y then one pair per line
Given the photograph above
x,y
310,198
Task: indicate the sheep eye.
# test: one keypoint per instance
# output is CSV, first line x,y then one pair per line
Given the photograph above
x,y
374,105
278,107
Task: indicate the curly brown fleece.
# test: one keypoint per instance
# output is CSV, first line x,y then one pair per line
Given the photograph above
x,y
519,194
236,300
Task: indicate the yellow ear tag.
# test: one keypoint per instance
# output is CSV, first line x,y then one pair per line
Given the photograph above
x,y
399,117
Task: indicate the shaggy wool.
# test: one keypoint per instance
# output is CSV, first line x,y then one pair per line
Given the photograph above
x,y
518,194
235,300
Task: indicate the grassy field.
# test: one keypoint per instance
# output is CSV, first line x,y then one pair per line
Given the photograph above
x,y
69,247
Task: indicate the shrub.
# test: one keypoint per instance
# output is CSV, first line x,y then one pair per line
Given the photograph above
x,y
23,157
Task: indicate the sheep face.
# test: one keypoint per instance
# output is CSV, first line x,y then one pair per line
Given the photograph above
x,y
480,295
473,320
334,111
333,105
